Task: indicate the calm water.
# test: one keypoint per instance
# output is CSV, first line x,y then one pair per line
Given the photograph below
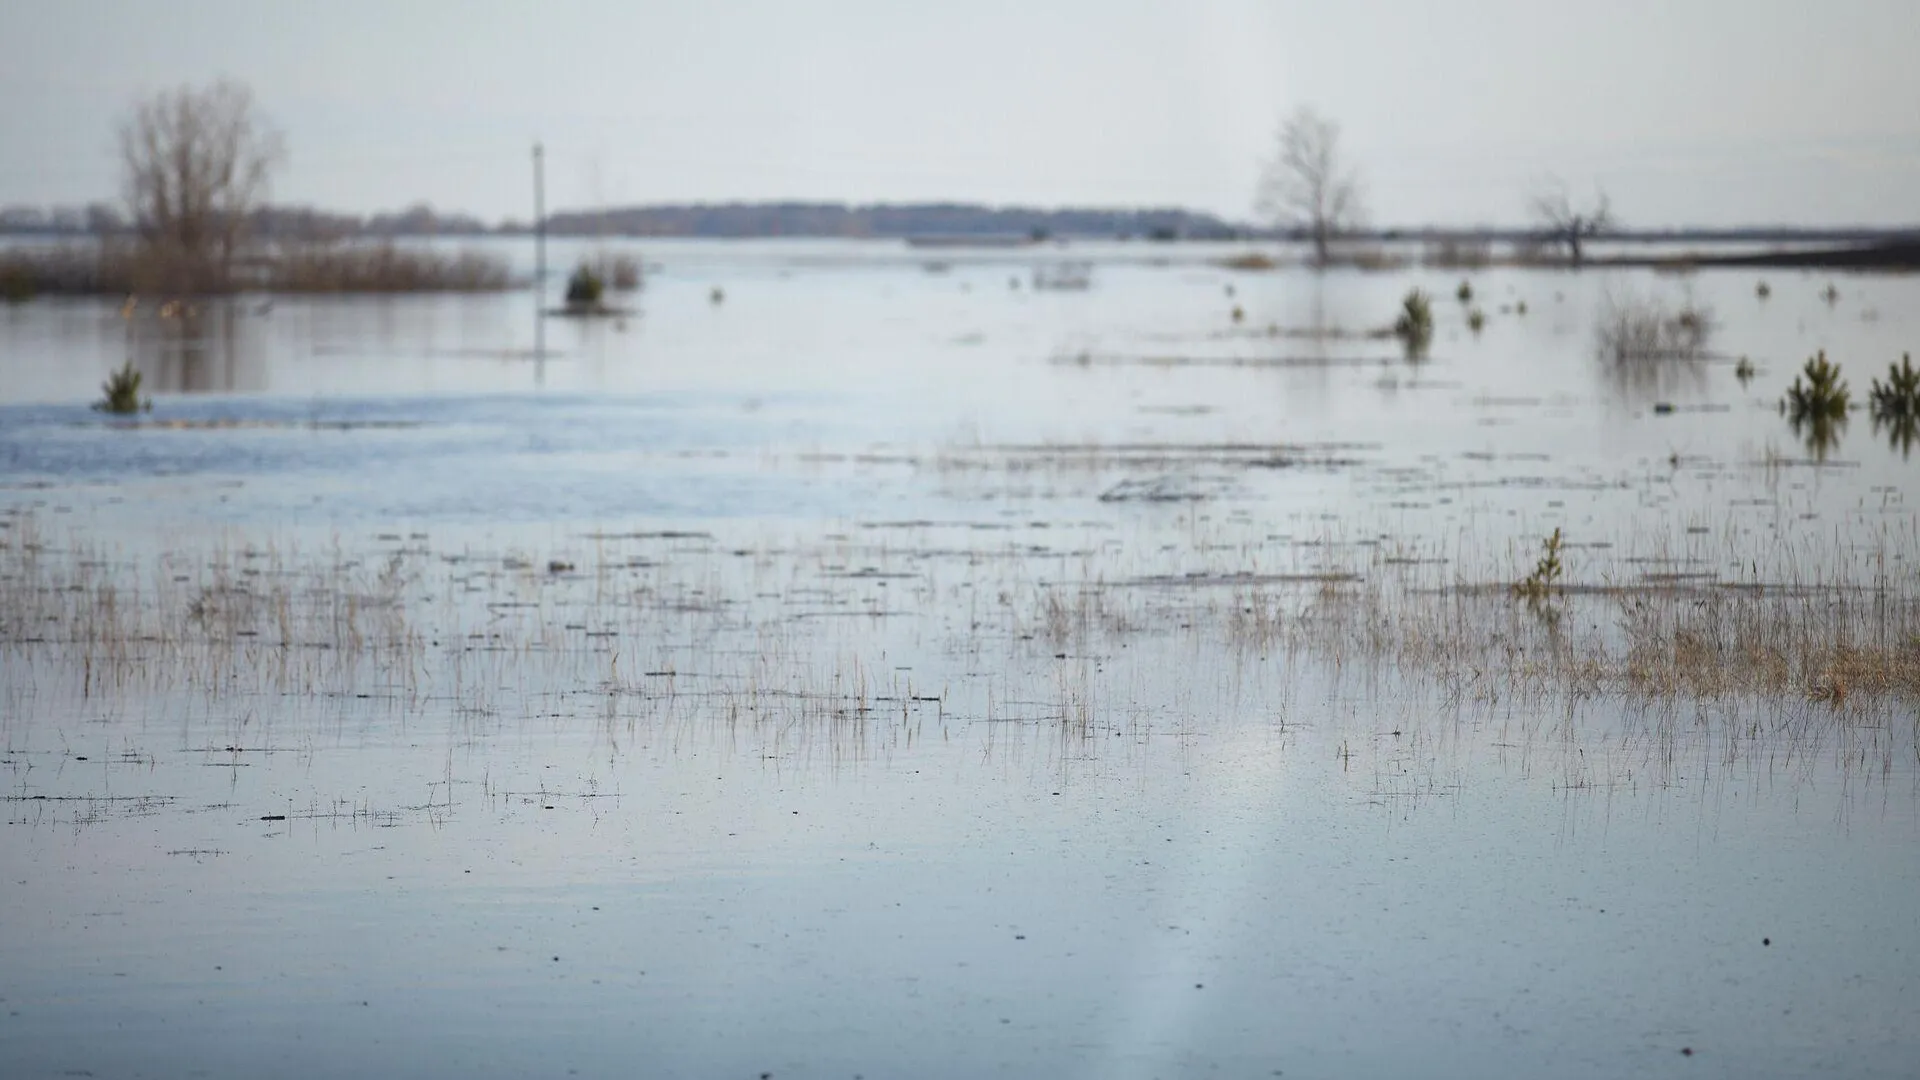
x,y
858,676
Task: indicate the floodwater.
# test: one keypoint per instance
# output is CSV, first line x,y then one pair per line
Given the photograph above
x,y
883,667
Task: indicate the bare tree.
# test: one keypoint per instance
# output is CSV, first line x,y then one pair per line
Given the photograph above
x,y
196,163
1566,224
1306,184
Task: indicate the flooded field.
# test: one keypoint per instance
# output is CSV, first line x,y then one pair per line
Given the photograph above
x,y
859,661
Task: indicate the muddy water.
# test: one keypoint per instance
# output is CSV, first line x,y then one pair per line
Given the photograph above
x,y
893,669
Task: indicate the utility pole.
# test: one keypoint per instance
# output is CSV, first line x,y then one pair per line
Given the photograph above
x,y
539,265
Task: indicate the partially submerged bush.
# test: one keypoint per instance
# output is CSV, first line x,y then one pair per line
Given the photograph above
x,y
1821,396
1414,326
584,288
1476,320
120,394
1545,578
1899,397
1896,406
1464,293
1816,405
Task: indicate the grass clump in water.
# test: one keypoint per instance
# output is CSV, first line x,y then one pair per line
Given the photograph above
x,y
1414,326
1544,580
1252,260
120,394
320,267
1632,329
1476,320
1464,293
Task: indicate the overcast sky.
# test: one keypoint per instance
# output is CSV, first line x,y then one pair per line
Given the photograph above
x,y
1686,111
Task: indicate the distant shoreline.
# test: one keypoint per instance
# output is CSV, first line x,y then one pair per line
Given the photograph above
x,y
922,224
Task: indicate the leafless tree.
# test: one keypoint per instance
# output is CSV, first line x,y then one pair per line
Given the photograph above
x,y
195,162
1566,224
1307,185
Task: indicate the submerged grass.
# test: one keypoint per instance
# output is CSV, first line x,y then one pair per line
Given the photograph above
x,y
118,269
1669,626
1636,330
379,268
854,646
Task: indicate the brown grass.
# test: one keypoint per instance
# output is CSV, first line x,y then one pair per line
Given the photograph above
x,y
379,268
1250,261
824,647
114,268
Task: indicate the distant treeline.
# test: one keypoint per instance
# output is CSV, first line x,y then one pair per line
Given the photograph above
x,y
876,221
890,220
883,220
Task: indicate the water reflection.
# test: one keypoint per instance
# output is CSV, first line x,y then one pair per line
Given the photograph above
x,y
197,350
1819,432
1639,380
1901,432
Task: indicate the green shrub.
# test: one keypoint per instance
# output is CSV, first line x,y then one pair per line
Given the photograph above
x,y
1476,320
121,393
1899,396
1545,578
1414,326
1816,405
1465,292
1822,396
584,288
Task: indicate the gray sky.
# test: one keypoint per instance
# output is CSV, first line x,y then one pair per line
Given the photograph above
x,y
1685,111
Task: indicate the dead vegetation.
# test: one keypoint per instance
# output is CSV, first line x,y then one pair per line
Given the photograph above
x,y
856,644
1634,329
111,268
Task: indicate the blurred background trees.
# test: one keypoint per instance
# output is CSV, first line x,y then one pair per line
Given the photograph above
x,y
196,163
1307,185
